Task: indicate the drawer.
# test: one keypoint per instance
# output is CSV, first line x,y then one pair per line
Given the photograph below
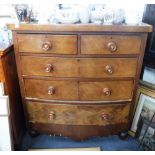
x,y
106,90
110,44
50,89
81,67
77,114
54,44
108,67
50,66
74,90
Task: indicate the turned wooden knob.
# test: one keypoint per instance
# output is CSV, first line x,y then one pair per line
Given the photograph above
x,y
106,91
51,90
105,116
109,69
51,115
47,45
112,46
48,68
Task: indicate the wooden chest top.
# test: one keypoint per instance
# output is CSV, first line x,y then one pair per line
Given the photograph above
x,y
81,27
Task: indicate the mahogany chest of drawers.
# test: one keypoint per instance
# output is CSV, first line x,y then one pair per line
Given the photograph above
x,y
79,80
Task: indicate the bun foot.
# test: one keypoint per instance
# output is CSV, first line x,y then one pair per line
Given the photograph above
x,y
33,133
123,135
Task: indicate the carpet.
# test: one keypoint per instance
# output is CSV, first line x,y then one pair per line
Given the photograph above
x,y
109,143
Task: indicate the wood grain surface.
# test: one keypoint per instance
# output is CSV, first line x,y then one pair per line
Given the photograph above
x,y
77,114
78,90
97,44
60,44
81,27
78,67
119,90
63,90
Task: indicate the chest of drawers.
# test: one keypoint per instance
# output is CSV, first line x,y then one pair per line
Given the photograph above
x,y
79,80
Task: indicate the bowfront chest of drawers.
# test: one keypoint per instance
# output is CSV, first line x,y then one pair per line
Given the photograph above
x,y
79,80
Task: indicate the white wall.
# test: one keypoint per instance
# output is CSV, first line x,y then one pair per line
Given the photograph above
x,y
5,127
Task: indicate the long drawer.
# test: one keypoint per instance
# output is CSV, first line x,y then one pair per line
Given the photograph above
x,y
78,90
110,44
77,114
79,67
53,44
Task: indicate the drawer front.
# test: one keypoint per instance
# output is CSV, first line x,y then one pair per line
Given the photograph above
x,y
74,90
48,89
50,66
77,115
106,91
110,44
84,67
54,44
108,67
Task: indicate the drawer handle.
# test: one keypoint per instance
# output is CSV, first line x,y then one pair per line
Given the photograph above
x,y
109,69
106,116
51,90
106,91
48,68
46,45
51,115
112,46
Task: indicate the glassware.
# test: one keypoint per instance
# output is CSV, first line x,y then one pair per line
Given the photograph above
x,y
23,12
108,15
119,16
84,13
67,15
97,13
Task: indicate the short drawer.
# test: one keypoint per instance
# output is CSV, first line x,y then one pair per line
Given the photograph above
x,y
54,44
77,114
110,44
79,67
106,90
51,89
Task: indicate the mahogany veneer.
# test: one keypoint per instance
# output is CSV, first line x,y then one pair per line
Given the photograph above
x,y
79,80
58,44
78,67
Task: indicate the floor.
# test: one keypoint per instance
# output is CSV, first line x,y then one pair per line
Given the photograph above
x,y
111,143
